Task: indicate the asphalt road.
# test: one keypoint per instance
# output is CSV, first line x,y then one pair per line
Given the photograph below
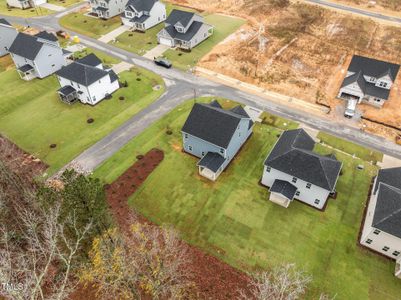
x,y
356,11
183,86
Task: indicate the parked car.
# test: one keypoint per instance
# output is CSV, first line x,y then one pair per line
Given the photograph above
x,y
350,108
161,61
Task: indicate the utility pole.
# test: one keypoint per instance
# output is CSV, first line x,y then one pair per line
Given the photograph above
x,y
262,44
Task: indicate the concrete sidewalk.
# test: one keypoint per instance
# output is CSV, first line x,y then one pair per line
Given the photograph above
x,y
53,7
113,34
156,51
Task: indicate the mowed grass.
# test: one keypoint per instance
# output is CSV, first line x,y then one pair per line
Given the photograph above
x,y
64,3
106,59
93,27
223,27
33,117
233,220
26,13
351,148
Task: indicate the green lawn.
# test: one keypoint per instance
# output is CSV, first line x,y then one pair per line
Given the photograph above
x,y
351,148
106,59
64,3
26,13
233,220
223,27
33,117
89,26
138,42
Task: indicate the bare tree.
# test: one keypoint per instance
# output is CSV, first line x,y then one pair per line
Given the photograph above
x,y
147,260
283,283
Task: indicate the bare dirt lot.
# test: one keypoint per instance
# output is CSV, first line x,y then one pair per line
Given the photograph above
x,y
301,50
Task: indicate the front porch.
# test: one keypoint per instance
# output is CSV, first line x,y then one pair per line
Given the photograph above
x,y
347,96
26,72
211,165
102,12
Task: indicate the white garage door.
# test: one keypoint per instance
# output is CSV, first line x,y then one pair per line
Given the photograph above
x,y
165,41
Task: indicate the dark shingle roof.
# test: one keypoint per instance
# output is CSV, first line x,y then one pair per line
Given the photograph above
x,y
184,17
113,76
213,161
373,67
140,19
390,176
293,155
66,90
141,5
5,22
90,60
25,68
212,124
387,215
26,46
284,188
47,36
188,35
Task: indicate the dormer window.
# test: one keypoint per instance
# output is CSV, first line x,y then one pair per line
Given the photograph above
x,y
383,84
180,29
221,150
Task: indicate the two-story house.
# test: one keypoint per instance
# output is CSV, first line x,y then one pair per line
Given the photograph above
x,y
25,4
106,9
184,29
143,14
7,36
368,80
382,227
293,171
37,56
215,135
86,80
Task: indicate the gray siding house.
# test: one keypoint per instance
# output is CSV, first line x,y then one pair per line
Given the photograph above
x,y
368,80
7,36
106,9
24,4
382,227
37,56
184,30
215,135
143,14
293,171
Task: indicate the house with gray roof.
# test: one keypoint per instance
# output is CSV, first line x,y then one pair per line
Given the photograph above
x,y
86,80
141,15
293,171
106,9
368,80
215,135
382,227
184,30
37,56
7,36
25,4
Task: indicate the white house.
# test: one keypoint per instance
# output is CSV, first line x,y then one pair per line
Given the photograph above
x,y
106,9
24,4
184,29
86,80
7,36
37,56
143,14
368,80
382,227
293,171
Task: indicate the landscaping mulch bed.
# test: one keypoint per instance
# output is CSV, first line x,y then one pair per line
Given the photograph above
x,y
20,162
213,278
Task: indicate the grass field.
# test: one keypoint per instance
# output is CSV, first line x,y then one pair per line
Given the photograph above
x,y
351,148
233,220
106,59
33,117
26,13
64,3
89,26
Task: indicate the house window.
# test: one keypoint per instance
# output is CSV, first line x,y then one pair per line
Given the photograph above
x,y
377,100
49,55
317,201
385,248
383,84
396,253
294,179
308,185
53,65
72,84
368,241
268,169
239,134
79,86
186,135
94,98
377,231
297,193
190,148
205,34
221,150
203,153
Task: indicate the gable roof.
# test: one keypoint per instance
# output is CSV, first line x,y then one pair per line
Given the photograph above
x,y
4,22
284,188
387,215
82,73
188,35
373,67
293,155
212,124
390,176
212,161
26,46
47,36
176,15
90,60
141,5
